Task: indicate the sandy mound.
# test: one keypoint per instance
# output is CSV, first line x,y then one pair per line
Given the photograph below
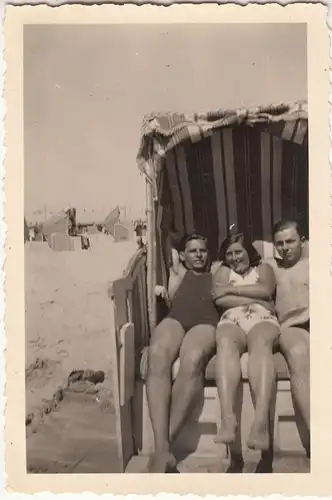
x,y
69,317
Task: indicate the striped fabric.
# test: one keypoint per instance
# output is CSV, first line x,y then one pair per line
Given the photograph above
x,y
246,167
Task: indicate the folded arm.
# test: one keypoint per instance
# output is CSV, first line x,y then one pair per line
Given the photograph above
x,y
263,289
228,296
222,291
229,301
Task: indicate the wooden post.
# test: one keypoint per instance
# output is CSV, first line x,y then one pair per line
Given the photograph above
x,y
151,261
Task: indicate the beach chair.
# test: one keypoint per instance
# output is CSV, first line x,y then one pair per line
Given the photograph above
x,y
205,172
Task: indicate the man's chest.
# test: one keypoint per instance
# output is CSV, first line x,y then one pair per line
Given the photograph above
x,y
294,279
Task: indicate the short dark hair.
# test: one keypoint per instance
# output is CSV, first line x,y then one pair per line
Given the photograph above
x,y
286,224
190,237
254,257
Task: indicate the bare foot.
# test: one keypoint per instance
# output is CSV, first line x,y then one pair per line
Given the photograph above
x,y
227,431
161,463
259,438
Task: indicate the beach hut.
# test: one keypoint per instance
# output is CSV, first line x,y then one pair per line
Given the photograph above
x,y
58,223
111,220
121,232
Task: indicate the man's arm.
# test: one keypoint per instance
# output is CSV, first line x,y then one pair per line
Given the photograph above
x,y
175,279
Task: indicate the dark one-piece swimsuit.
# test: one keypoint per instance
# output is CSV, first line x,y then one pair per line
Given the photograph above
x,y
192,304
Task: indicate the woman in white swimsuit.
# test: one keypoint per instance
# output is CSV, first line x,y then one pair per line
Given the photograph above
x,y
243,289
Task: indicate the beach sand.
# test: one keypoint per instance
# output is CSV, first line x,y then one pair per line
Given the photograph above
x,y
69,317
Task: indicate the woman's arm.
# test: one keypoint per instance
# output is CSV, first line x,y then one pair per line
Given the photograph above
x,y
262,290
221,290
229,301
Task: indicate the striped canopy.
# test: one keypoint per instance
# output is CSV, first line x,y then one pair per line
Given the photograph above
x,y
247,167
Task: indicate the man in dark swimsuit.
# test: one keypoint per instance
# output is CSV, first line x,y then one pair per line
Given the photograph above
x,y
188,332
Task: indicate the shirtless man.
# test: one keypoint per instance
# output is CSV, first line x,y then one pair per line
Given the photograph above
x,y
188,332
292,306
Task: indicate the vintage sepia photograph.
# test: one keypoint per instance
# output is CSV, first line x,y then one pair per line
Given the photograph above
x,y
202,362
168,186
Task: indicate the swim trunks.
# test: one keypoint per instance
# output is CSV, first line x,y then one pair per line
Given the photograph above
x,y
192,304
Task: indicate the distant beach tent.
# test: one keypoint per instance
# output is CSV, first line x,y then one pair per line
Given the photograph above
x,y
111,220
26,231
121,232
58,223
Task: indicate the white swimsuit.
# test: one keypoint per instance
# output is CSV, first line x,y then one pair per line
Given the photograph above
x,y
246,317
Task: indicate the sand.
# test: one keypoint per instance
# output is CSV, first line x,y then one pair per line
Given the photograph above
x,y
69,316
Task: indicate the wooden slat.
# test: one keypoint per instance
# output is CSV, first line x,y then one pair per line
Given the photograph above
x,y
124,429
126,293
127,363
143,308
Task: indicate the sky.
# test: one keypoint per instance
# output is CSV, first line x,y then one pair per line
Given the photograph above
x,y
87,88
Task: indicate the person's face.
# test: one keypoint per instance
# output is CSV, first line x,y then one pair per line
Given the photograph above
x,y
195,255
237,258
288,244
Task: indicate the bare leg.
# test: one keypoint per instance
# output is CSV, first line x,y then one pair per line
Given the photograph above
x,y
295,346
197,348
231,344
262,338
164,348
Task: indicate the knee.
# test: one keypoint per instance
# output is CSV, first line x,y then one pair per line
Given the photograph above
x,y
298,356
159,359
226,343
260,340
192,361
257,343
